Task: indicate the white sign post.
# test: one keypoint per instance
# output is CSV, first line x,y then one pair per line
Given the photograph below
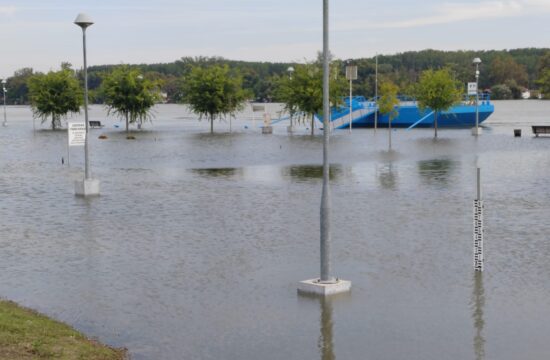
x,y
472,88
76,132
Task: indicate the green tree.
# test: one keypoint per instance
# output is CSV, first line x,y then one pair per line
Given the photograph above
x,y
54,95
17,85
303,93
214,92
501,92
438,91
504,68
129,95
388,103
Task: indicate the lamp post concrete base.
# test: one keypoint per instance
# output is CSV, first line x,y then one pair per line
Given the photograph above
x,y
86,187
315,287
476,131
267,130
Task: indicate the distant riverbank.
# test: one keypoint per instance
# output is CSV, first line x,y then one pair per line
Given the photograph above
x,y
26,334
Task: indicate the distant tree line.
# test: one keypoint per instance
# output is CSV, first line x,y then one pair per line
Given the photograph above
x,y
505,73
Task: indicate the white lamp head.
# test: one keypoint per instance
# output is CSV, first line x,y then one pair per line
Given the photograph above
x,y
476,61
4,81
83,20
290,69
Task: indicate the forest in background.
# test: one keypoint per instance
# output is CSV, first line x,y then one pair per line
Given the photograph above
x,y
506,73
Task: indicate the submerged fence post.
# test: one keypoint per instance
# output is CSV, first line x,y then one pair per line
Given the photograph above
x,y
478,226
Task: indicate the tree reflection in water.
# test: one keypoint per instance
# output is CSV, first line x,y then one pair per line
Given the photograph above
x,y
436,171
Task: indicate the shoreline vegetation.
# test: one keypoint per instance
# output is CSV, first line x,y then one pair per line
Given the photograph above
x,y
27,334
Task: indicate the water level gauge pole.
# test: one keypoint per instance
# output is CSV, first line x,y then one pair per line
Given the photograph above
x,y
478,225
5,123
326,284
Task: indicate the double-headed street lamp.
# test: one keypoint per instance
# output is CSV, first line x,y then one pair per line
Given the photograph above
x,y
88,186
477,130
4,88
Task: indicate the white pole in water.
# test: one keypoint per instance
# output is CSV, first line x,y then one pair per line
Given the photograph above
x,y
326,284
376,96
5,123
351,74
477,131
478,225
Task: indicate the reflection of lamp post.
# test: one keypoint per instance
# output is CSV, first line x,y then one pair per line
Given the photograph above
x,y
290,71
88,186
351,74
477,130
326,284
4,88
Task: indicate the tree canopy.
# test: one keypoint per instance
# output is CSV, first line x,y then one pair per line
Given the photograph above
x,y
130,95
214,92
388,103
438,91
303,92
54,95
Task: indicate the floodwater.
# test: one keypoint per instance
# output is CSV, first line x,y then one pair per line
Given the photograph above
x,y
196,244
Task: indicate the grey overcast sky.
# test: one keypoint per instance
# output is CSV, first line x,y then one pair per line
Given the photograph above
x,y
41,34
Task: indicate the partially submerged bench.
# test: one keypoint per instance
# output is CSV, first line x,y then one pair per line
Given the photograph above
x,y
541,129
95,124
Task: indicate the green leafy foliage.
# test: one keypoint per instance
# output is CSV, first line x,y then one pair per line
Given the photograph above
x,y
302,93
54,95
129,95
388,102
214,92
438,91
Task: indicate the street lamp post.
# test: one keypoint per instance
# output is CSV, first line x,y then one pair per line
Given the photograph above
x,y
88,186
376,95
351,74
5,123
290,71
326,284
477,130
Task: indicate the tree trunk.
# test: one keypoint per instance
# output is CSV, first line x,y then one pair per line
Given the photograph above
x,y
53,122
127,125
312,124
435,123
211,124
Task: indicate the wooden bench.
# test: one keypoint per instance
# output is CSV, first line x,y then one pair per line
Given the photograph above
x,y
95,124
541,129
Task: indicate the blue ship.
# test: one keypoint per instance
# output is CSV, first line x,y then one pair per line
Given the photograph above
x,y
410,115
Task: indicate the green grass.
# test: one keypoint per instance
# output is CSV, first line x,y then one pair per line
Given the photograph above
x,y
25,334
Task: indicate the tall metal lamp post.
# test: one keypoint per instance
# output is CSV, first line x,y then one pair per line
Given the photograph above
x,y
290,71
5,123
326,284
477,130
351,74
88,186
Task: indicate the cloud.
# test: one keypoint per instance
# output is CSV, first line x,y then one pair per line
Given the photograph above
x,y
7,10
452,12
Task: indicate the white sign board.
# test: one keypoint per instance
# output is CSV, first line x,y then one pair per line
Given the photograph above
x,y
472,88
77,133
351,72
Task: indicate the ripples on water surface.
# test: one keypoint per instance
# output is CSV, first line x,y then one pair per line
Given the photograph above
x,y
195,246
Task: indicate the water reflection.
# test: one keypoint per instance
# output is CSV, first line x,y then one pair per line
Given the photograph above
x,y
477,305
219,172
326,345
387,176
309,172
437,171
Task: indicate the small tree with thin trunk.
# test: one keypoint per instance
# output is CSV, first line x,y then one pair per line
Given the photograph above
x,y
129,95
438,91
54,95
214,92
388,103
304,92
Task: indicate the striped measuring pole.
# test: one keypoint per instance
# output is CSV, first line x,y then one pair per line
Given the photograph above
x,y
478,226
